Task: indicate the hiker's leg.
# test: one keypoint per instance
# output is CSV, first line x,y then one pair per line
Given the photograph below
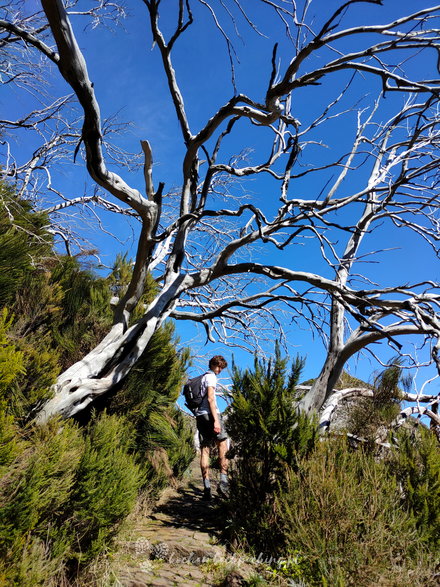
x,y
223,486
223,461
204,461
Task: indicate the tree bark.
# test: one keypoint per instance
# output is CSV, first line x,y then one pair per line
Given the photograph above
x,y
108,363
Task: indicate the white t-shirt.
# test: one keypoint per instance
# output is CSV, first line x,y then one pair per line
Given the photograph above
x,y
209,380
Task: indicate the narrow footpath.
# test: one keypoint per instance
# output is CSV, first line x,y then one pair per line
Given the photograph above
x,y
179,543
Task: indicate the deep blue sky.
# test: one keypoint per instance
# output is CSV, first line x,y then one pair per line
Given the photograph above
x,y
129,80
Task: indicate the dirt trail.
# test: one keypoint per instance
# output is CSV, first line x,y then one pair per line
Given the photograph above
x,y
178,544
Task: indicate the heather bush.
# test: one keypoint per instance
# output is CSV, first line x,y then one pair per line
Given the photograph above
x,y
416,463
25,233
11,367
107,484
34,537
64,498
341,510
370,418
66,487
268,437
162,437
336,516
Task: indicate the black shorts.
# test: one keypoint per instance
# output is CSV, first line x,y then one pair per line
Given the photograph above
x,y
205,426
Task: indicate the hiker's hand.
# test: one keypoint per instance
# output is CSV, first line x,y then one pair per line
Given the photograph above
x,y
217,427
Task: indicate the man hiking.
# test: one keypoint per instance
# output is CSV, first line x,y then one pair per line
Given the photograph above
x,y
210,427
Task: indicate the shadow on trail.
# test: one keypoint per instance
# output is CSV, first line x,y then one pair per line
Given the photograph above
x,y
187,509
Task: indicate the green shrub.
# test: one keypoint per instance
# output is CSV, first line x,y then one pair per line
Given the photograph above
x,y
11,359
370,417
22,230
182,453
11,367
416,462
35,491
33,387
268,436
341,511
63,498
84,315
163,439
332,513
27,370
107,484
10,442
38,486
65,489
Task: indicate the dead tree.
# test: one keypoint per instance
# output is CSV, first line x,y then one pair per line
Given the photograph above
x,y
210,258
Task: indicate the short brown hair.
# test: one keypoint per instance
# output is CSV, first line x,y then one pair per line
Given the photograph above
x,y
218,361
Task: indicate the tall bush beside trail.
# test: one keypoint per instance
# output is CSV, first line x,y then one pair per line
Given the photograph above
x,y
33,386
27,370
163,440
416,462
84,314
11,359
65,488
11,366
35,536
335,514
22,230
63,499
341,511
10,442
268,436
183,451
107,485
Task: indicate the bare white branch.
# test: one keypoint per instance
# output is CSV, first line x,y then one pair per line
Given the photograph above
x,y
303,186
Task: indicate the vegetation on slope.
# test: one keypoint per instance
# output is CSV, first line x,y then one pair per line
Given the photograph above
x,y
67,486
325,512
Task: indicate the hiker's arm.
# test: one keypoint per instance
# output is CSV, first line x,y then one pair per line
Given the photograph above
x,y
213,408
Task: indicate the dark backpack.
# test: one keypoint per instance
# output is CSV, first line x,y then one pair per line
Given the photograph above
x,y
192,391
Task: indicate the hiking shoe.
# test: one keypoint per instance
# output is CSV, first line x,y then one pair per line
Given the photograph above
x,y
207,494
223,489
